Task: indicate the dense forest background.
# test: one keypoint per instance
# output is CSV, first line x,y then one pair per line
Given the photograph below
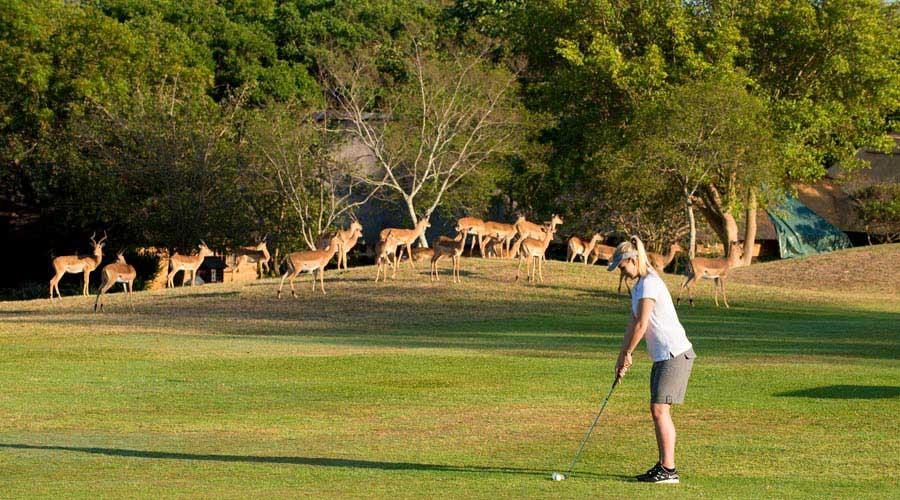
x,y
166,122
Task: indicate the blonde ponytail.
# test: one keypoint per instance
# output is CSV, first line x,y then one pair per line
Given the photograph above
x,y
643,263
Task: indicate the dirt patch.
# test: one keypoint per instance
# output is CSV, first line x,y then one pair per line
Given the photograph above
x,y
872,269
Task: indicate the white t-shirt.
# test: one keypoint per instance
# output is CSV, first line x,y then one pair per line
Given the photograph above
x,y
665,335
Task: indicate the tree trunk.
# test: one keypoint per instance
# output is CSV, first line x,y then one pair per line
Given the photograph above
x,y
721,221
415,220
689,207
750,228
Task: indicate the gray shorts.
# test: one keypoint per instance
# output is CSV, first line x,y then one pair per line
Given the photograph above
x,y
669,378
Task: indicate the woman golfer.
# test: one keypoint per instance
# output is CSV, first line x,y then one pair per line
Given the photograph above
x,y
653,315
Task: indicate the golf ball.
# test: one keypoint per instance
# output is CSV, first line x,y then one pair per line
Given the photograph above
x,y
557,476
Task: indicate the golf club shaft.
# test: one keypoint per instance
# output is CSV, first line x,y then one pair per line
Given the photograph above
x,y
591,428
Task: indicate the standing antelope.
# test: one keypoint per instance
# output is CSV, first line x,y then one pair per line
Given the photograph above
x,y
475,227
714,269
118,272
77,264
406,237
577,247
453,249
531,230
311,261
534,251
188,264
258,253
659,261
347,239
606,252
503,232
384,249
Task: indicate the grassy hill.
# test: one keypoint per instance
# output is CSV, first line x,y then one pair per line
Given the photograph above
x,y
873,269
413,389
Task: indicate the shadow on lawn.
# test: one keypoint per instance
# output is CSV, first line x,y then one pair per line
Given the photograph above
x,y
314,461
845,392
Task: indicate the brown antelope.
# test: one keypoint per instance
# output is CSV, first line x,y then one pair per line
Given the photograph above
x,y
577,247
714,269
503,232
475,227
118,272
187,263
660,261
312,261
384,249
605,252
493,246
531,230
77,264
453,249
347,239
533,250
406,237
252,254
422,253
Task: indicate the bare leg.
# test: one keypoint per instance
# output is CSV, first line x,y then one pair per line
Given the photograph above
x,y
665,433
321,279
87,279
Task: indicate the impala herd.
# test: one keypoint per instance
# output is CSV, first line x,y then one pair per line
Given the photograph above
x,y
522,240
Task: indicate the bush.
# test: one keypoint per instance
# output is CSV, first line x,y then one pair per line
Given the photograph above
x,y
878,207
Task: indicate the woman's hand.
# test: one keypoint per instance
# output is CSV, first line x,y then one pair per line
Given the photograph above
x,y
623,364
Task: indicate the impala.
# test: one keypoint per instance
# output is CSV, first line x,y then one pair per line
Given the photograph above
x,y
503,232
475,227
453,249
713,269
77,264
533,250
660,261
384,249
577,247
531,230
312,261
406,237
252,254
117,272
188,264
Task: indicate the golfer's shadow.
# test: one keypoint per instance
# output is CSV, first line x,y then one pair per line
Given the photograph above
x,y
314,461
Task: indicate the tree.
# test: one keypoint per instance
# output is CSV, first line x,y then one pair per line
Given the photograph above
x,y
445,117
295,157
714,139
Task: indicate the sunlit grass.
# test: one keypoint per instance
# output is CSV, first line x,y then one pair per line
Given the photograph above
x,y
414,389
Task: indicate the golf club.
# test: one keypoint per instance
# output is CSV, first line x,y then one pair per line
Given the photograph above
x,y
556,476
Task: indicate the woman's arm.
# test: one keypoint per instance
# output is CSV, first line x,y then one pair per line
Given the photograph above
x,y
637,327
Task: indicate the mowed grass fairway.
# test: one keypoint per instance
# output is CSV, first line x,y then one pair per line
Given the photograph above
x,y
413,389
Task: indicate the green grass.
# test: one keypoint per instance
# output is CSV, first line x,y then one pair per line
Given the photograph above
x,y
417,390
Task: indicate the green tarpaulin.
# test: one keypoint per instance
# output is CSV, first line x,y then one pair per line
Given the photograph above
x,y
801,232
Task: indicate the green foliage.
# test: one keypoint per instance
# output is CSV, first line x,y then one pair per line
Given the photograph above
x,y
878,206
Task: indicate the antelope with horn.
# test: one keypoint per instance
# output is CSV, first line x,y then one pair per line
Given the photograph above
x,y
453,249
117,272
533,250
526,230
187,263
577,247
77,264
406,237
311,261
714,269
258,253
